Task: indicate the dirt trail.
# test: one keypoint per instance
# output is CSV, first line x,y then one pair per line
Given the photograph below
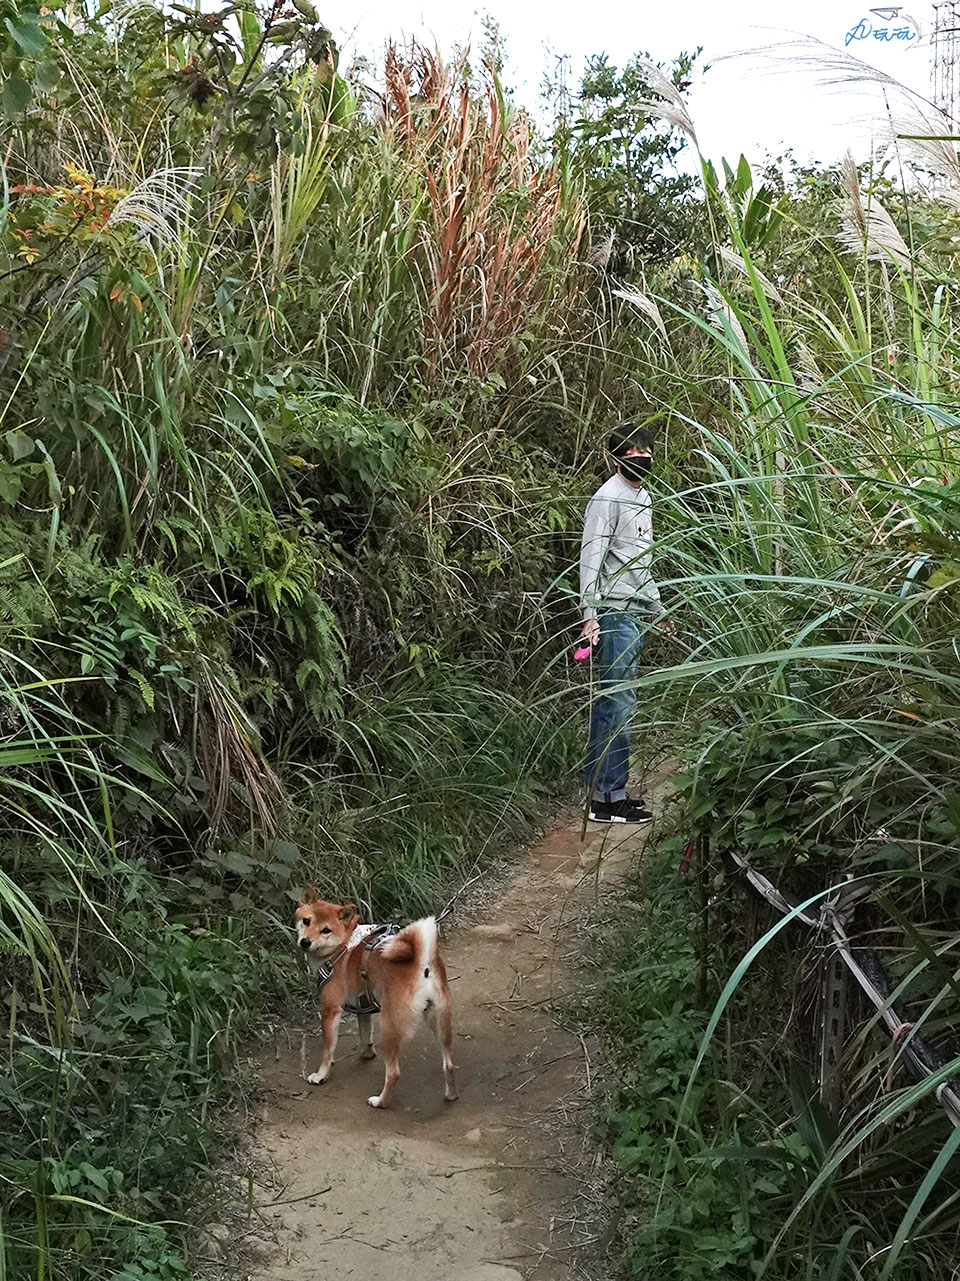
x,y
481,1189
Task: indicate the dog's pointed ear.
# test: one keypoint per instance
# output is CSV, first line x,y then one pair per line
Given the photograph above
x,y
309,894
348,912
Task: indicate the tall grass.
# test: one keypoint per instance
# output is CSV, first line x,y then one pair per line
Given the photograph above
x,y
270,344
808,530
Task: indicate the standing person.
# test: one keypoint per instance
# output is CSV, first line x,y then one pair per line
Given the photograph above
x,y
619,598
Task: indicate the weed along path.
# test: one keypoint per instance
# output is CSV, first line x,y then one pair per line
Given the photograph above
x,y
484,1189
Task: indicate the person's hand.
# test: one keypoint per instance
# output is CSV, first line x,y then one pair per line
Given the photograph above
x,y
666,625
591,631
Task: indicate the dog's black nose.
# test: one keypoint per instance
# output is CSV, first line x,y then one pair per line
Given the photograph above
x,y
304,943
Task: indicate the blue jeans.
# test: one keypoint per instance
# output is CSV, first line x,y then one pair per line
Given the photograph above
x,y
608,747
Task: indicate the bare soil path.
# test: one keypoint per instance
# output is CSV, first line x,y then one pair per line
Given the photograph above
x,y
484,1189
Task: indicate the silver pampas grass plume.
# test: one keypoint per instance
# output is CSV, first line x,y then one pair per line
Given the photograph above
x,y
722,317
830,67
866,225
157,207
736,264
925,135
669,104
643,302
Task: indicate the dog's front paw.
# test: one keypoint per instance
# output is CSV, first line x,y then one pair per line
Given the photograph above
x,y
374,1101
318,1078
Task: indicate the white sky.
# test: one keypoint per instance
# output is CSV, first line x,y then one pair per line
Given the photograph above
x,y
736,107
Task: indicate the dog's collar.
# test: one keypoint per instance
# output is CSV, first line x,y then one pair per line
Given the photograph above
x,y
360,932
325,968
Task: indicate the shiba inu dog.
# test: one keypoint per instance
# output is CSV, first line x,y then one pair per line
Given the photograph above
x,y
365,969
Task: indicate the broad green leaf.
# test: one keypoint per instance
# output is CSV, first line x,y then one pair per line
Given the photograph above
x,y
20,446
250,32
237,863
10,485
47,75
94,1176
137,759
28,34
15,96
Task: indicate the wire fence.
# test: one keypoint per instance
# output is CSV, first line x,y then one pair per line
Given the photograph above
x,y
848,957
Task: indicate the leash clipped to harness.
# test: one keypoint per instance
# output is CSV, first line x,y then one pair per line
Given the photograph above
x,y
371,937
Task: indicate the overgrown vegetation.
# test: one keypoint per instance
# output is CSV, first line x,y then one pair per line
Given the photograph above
x,y
809,521
301,385
700,1209
271,558
727,1158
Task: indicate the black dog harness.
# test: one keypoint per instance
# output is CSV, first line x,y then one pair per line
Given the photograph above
x,y
364,1003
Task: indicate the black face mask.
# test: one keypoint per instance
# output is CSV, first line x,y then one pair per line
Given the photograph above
x,y
637,468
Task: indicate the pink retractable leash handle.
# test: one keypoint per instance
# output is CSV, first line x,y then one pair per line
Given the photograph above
x,y
585,648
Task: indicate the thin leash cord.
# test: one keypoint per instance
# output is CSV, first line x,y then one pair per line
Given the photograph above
x,y
463,888
592,689
473,879
591,684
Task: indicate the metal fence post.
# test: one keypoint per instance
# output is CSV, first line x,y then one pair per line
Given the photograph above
x,y
832,1028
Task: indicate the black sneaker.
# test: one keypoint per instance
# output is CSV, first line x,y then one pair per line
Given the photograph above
x,y
627,811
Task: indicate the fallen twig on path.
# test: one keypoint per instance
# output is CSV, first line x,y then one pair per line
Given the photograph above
x,y
586,1060
294,1199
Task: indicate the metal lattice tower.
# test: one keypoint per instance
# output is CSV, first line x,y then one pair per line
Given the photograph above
x,y
945,67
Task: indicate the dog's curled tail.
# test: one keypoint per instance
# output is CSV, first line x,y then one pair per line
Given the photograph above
x,y
416,942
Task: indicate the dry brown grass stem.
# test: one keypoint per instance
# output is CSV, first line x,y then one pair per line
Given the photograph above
x,y
493,210
236,774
